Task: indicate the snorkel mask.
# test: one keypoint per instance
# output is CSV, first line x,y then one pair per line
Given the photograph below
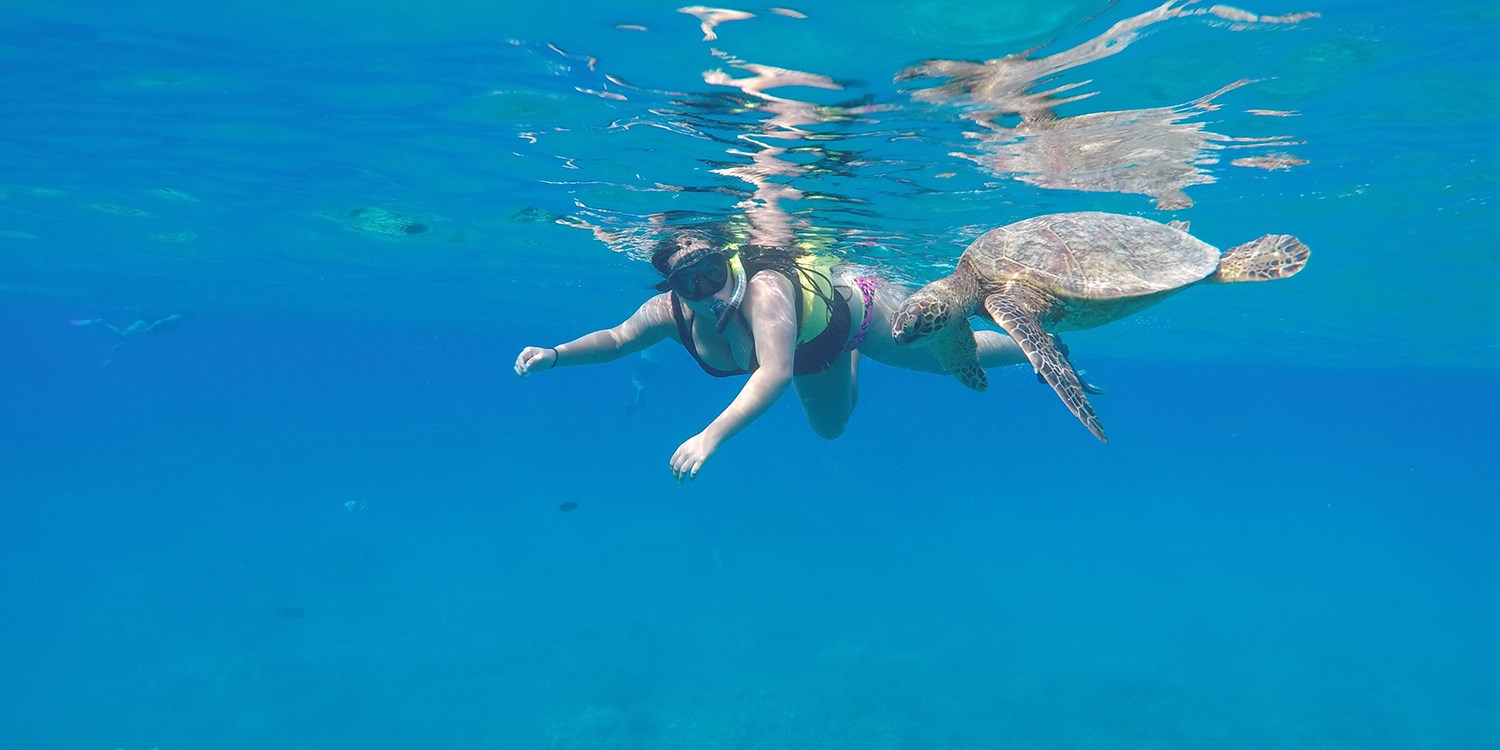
x,y
698,275
701,274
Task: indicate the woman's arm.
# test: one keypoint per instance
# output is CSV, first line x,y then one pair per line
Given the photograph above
x,y
769,310
651,323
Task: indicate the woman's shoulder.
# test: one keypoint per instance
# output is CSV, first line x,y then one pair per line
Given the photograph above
x,y
769,280
656,310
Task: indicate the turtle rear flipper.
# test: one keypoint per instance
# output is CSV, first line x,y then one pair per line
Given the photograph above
x,y
958,353
1048,362
1271,257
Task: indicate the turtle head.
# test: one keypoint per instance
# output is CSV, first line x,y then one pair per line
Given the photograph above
x,y
924,313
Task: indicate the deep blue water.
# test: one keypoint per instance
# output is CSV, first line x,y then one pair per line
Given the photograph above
x,y
322,513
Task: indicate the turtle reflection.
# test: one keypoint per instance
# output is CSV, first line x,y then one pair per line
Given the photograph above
x,y
1156,151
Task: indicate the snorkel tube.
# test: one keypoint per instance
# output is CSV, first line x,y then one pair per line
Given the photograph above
x,y
725,311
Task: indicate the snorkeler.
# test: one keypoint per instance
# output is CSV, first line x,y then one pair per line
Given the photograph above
x,y
645,367
776,314
134,330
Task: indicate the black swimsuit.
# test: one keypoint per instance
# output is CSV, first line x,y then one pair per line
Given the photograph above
x,y
811,357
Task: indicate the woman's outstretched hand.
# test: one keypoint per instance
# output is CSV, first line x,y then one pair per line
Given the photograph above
x,y
691,456
535,358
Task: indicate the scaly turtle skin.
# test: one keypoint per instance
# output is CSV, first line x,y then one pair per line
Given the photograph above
x,y
1068,272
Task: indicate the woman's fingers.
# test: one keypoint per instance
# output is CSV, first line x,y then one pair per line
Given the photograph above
x,y
528,357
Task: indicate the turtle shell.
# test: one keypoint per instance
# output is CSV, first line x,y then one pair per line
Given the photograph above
x,y
1092,256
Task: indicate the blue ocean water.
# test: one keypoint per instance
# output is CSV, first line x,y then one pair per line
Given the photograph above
x,y
318,510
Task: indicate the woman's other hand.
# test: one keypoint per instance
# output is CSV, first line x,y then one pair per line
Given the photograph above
x,y
690,456
535,358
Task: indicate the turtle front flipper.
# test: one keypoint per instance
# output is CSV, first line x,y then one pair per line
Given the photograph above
x,y
1048,362
958,353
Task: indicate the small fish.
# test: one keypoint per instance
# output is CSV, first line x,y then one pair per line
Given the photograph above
x,y
291,613
567,506
354,505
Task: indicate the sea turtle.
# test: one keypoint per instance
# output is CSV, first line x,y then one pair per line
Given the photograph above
x,y
1068,272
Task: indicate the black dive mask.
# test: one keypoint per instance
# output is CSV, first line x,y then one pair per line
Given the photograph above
x,y
699,275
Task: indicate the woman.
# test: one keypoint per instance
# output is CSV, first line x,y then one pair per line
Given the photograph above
x,y
770,313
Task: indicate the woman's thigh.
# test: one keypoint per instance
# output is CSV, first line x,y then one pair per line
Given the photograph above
x,y
828,397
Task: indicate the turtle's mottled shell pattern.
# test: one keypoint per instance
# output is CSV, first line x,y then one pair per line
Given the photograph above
x,y
1092,257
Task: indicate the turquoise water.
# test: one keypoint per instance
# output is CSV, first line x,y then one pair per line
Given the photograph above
x,y
319,511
